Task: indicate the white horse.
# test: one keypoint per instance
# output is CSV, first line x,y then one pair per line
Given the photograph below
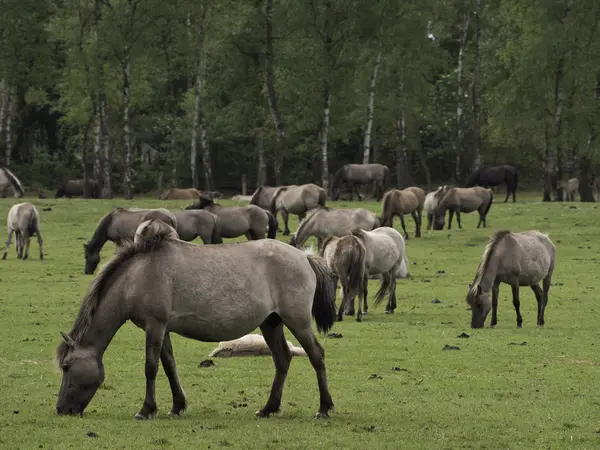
x,y
431,202
24,221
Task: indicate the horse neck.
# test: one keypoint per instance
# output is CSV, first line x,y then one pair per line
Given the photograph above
x,y
488,273
109,317
305,230
100,235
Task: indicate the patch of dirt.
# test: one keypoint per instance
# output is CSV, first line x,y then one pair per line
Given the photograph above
x,y
450,347
463,335
335,335
206,363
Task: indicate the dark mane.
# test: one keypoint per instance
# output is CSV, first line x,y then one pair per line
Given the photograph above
x,y
473,178
273,205
101,233
325,244
253,199
14,181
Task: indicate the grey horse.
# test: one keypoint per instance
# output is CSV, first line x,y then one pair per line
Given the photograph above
x,y
9,180
431,201
120,225
568,189
353,174
323,222
463,200
517,259
164,285
23,220
263,196
297,200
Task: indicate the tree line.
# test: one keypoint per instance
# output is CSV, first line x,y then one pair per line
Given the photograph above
x,y
145,94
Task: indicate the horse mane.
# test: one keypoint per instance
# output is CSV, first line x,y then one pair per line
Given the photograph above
x,y
485,259
14,181
273,204
150,236
101,228
473,177
253,200
310,215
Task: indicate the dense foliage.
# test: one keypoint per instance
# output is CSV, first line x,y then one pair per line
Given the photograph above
x,y
142,94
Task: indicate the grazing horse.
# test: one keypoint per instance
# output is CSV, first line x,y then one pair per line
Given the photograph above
x,y
297,200
9,180
399,202
323,222
250,221
386,255
263,196
24,221
493,176
164,285
568,189
180,194
75,188
431,201
120,224
465,200
346,256
518,259
353,174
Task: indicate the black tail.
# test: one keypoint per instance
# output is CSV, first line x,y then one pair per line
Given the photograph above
x,y
215,238
273,225
323,307
386,283
490,203
354,269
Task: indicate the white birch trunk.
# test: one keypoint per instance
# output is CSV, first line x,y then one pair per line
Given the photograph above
x,y
370,107
9,116
324,135
128,193
459,95
477,156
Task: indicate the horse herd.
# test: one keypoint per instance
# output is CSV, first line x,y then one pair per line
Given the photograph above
x,y
153,279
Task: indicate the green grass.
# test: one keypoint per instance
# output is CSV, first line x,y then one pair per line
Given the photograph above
x,y
490,394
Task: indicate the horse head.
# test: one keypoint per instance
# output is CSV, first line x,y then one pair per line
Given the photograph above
x,y
92,259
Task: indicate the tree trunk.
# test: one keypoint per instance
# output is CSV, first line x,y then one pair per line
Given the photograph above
x,y
97,171
370,106
271,93
558,109
174,160
194,146
3,96
105,149
205,147
261,178
324,136
477,156
84,166
403,178
459,148
127,190
586,168
548,163
11,101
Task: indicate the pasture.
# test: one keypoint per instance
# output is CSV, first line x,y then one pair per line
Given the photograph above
x,y
392,384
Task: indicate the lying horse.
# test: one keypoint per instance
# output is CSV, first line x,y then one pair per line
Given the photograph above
x,y
297,200
399,202
568,189
164,286
73,188
324,222
353,174
518,259
24,221
120,224
9,180
431,202
493,176
250,221
180,194
465,200
250,345
263,196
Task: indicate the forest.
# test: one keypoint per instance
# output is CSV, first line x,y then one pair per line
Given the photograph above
x,y
146,94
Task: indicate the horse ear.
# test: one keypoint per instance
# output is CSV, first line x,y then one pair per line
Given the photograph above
x,y
68,340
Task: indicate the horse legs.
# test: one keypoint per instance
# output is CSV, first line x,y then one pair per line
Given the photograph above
x,y
507,194
26,240
365,292
40,243
539,296
517,305
417,223
285,216
357,193
546,288
495,292
282,357
429,221
342,304
450,217
155,334
19,246
168,362
10,233
316,354
392,299
403,226
458,219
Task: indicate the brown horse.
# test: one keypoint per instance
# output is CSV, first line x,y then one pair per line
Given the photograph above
x,y
493,176
209,293
297,200
74,188
24,221
399,202
180,194
466,200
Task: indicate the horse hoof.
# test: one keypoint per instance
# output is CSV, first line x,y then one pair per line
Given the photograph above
x,y
365,313
387,311
339,319
262,414
321,415
140,416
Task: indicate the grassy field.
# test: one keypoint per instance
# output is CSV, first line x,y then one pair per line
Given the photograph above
x,y
489,394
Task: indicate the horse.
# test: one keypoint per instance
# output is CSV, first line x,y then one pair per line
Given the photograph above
x,y
9,180
72,188
493,176
180,194
164,285
568,189
431,201
323,222
249,345
120,224
517,259
465,200
250,221
353,174
386,255
23,220
296,200
346,256
399,202
263,196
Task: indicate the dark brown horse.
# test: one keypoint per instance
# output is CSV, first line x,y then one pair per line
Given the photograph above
x,y
353,174
493,176
73,188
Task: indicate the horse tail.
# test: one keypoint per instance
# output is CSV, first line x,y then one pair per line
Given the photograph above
x,y
273,225
386,283
322,197
215,237
323,307
386,209
354,269
490,203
